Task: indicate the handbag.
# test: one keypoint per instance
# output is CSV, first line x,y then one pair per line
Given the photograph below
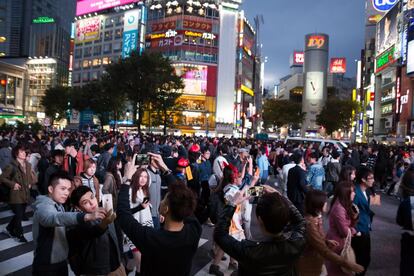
x,y
348,253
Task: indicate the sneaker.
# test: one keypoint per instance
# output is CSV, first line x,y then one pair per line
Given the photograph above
x,y
209,223
215,270
22,239
233,266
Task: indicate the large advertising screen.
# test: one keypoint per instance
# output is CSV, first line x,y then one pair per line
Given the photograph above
x,y
88,29
387,30
194,78
410,48
130,39
375,9
88,6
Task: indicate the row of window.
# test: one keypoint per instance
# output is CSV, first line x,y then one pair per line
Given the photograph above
x,y
86,76
190,56
98,50
93,63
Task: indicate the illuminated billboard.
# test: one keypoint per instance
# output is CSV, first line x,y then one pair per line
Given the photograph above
x,y
194,78
375,9
316,41
130,39
337,66
88,29
387,31
297,59
88,6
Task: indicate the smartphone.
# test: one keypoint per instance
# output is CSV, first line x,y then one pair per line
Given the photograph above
x,y
107,203
146,200
142,159
255,191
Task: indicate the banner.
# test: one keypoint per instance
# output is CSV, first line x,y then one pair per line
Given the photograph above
x,y
88,29
89,6
130,39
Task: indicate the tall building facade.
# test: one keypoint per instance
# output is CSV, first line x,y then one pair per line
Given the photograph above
x,y
102,35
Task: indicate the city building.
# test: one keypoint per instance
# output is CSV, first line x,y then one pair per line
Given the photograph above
x,y
13,83
291,87
101,36
200,37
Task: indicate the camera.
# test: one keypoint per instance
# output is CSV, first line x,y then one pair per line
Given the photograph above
x,y
255,191
141,159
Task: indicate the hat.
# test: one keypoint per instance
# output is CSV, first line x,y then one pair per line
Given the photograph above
x,y
195,148
58,152
69,142
183,163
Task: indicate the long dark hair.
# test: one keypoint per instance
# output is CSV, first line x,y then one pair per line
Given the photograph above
x,y
346,172
135,184
113,169
343,196
314,202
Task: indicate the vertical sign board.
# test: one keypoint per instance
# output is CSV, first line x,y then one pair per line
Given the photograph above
x,y
130,39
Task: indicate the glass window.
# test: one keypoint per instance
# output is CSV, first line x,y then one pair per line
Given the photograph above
x,y
118,33
76,77
78,53
87,52
96,62
85,64
105,61
97,50
117,47
85,76
109,22
108,35
11,91
76,64
95,75
118,20
107,48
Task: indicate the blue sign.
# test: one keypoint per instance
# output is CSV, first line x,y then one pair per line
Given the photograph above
x,y
129,43
383,5
86,117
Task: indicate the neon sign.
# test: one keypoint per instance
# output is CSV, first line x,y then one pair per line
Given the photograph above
x,y
316,41
43,20
383,5
385,59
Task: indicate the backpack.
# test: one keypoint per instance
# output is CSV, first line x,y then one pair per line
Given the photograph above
x,y
4,189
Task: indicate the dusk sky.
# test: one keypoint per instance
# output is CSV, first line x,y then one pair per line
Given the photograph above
x,y
287,22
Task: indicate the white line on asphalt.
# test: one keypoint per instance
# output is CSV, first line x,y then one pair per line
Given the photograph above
x,y
16,263
10,242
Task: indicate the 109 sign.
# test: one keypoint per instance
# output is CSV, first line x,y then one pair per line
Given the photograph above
x,y
383,5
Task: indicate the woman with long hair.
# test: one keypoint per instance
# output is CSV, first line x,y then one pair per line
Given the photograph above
x,y
319,248
342,219
140,207
112,182
348,174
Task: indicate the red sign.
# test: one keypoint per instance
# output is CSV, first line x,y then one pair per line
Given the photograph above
x,y
316,41
337,66
196,25
298,58
163,26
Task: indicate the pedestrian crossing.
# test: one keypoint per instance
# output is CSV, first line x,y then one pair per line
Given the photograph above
x,y
16,258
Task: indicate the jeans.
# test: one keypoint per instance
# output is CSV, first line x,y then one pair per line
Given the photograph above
x,y
15,225
156,221
60,269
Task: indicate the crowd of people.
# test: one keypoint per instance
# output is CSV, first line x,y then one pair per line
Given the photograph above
x,y
113,203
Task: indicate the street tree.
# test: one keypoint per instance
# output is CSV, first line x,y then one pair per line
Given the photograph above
x,y
279,113
140,77
55,102
337,114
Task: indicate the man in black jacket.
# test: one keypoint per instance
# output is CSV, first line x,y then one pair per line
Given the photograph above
x,y
277,254
167,251
296,183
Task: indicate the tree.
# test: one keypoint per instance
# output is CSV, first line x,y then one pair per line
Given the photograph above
x,y
102,97
140,77
337,114
166,105
278,113
55,102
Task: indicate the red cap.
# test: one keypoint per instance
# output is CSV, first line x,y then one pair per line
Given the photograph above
x,y
183,163
195,148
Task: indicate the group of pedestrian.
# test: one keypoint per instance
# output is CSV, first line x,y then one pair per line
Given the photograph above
x,y
110,203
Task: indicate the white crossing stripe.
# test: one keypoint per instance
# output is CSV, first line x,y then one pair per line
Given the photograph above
x,y
16,263
9,213
10,242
